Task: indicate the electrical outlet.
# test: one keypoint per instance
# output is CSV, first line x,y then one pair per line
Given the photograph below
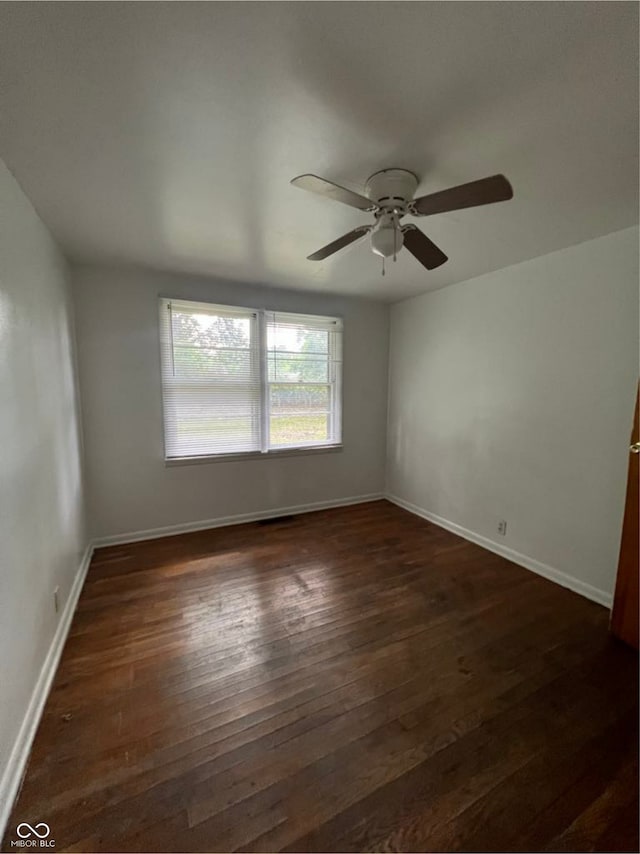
x,y
56,599
502,527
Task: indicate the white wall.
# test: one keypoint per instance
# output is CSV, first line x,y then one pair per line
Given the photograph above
x,y
511,397
41,503
129,486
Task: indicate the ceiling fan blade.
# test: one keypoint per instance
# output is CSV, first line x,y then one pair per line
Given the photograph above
x,y
333,191
482,192
340,243
425,250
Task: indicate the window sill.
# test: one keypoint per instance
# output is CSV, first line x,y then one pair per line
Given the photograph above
x,y
253,455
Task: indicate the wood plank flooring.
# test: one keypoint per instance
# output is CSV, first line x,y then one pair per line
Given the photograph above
x,y
354,679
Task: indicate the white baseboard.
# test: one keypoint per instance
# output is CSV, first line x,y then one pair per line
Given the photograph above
x,y
549,572
16,766
238,519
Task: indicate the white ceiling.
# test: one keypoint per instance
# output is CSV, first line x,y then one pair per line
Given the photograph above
x,y
165,134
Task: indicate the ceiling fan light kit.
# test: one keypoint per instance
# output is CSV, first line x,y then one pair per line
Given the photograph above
x,y
390,196
386,237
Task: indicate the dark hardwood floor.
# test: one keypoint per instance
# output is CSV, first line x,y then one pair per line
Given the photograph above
x,y
349,680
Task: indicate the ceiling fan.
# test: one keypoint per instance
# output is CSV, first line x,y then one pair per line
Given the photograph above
x,y
389,198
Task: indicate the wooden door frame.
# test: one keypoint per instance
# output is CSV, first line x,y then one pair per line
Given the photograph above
x,y
624,615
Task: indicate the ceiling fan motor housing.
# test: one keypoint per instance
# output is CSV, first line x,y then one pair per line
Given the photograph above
x,y
392,189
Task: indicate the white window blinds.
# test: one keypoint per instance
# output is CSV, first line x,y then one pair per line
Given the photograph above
x,y
211,379
238,380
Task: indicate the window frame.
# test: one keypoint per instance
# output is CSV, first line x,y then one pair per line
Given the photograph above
x,y
262,320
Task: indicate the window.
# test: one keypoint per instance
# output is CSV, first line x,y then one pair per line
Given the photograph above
x,y
237,380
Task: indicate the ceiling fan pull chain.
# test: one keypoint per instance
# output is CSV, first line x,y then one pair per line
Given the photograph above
x,y
383,265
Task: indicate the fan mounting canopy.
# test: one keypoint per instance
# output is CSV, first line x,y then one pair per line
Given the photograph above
x,y
392,188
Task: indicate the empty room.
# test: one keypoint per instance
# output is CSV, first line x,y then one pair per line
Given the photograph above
x,y
319,360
